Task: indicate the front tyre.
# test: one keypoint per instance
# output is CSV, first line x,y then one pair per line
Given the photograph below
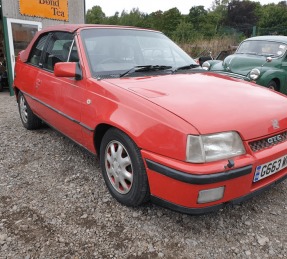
x,y
29,120
123,168
273,85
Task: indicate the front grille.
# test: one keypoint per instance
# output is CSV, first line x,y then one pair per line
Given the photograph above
x,y
264,143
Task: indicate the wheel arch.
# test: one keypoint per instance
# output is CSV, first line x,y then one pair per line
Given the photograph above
x,y
277,81
16,91
100,131
276,75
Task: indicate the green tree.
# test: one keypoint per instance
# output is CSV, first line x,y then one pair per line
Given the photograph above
x,y
273,19
170,20
95,15
184,32
242,15
114,20
219,12
133,18
197,16
206,23
155,20
212,24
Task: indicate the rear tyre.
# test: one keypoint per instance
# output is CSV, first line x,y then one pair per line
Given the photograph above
x,y
123,168
273,85
29,120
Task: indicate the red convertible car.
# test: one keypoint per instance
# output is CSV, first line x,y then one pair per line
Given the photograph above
x,y
164,129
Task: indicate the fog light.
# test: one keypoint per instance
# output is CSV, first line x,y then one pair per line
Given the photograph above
x,y
210,195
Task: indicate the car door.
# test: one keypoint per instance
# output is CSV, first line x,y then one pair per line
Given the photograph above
x,y
61,98
31,70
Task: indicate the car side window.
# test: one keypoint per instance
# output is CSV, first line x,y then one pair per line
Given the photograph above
x,y
73,54
58,49
37,50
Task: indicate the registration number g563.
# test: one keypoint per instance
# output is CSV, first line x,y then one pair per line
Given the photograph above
x,y
265,170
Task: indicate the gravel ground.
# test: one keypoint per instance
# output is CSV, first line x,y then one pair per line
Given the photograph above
x,y
54,204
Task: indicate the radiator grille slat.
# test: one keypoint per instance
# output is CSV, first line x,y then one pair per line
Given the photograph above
x,y
261,144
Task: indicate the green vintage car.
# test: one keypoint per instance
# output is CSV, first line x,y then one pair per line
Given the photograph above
x,y
261,59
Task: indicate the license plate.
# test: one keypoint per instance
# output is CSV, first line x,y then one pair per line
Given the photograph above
x,y
265,170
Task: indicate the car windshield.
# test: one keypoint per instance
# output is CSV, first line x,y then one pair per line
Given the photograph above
x,y
263,48
113,52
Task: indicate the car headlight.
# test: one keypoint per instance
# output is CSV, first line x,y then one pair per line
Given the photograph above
x,y
254,74
206,65
214,147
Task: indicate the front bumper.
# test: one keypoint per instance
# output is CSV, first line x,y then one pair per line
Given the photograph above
x,y
177,185
203,180
198,179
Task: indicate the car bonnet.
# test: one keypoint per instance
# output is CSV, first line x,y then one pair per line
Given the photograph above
x,y
213,103
242,63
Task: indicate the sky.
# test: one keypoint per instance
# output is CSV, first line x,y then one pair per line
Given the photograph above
x,y
109,7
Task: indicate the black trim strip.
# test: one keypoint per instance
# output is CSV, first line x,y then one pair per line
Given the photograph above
x,y
186,210
198,179
59,112
199,211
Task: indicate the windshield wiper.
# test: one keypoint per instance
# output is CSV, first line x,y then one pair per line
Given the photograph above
x,y
185,67
144,69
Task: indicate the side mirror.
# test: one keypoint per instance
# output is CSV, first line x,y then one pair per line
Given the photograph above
x,y
68,69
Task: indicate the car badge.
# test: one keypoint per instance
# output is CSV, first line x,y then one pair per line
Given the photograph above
x,y
275,124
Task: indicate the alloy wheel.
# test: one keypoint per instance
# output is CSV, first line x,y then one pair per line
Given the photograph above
x,y
119,167
23,109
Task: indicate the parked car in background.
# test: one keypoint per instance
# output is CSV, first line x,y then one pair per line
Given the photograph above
x,y
164,129
207,55
259,59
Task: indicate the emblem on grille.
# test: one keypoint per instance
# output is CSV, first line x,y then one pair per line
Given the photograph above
x,y
275,124
274,139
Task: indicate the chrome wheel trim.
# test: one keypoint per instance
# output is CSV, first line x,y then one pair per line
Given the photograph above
x,y
119,167
23,109
271,87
